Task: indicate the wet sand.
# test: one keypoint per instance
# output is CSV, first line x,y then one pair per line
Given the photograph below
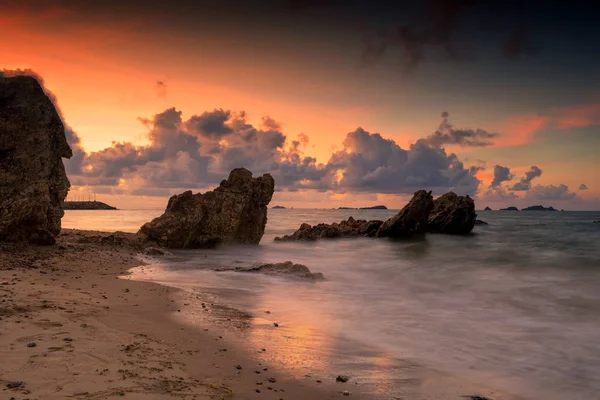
x,y
70,327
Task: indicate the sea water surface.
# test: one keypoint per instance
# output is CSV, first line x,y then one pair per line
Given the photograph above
x,y
515,306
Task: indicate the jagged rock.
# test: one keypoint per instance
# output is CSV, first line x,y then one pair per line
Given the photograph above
x,y
411,220
285,269
33,183
452,214
235,212
156,251
346,228
480,222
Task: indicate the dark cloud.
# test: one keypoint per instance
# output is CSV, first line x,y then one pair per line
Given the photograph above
x,y
517,44
583,186
501,174
447,134
212,125
525,182
161,89
551,192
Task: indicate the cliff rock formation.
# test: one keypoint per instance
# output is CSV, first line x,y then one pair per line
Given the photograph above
x,y
234,212
411,220
33,182
452,214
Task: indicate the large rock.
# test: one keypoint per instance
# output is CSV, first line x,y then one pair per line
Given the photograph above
x,y
347,228
453,214
33,183
411,220
235,212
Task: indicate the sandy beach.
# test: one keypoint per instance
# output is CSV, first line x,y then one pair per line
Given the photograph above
x,y
71,327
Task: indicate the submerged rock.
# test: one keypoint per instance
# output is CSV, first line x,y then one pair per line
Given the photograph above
x,y
411,220
452,214
346,228
480,222
234,212
285,269
33,182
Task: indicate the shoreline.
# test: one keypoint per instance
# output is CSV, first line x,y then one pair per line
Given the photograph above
x,y
70,326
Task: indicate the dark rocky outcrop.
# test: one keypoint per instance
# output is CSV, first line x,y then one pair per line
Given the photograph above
x,y
87,205
411,220
347,228
156,251
511,208
480,222
487,209
235,212
452,214
285,269
539,208
33,183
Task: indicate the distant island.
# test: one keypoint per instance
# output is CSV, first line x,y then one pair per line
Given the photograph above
x,y
487,209
86,205
511,208
364,208
539,208
279,207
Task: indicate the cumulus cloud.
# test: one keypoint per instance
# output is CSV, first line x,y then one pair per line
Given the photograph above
x,y
199,151
501,174
551,192
525,182
447,134
368,162
583,186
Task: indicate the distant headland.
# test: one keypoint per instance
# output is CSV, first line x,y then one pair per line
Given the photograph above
x,y
278,207
531,208
364,208
86,205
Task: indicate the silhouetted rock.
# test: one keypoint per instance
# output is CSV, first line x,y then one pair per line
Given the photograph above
x,y
33,183
285,269
156,251
480,222
364,208
86,205
539,208
346,228
278,207
235,212
487,209
452,214
411,220
511,208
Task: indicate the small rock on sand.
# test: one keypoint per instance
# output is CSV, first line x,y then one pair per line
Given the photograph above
x,y
32,344
342,378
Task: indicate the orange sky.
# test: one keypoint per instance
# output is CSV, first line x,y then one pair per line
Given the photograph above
x,y
105,77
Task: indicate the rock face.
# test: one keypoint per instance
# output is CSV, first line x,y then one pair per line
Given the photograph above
x,y
235,212
411,220
452,214
347,228
285,269
33,182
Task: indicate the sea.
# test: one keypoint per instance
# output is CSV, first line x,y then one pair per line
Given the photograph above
x,y
511,311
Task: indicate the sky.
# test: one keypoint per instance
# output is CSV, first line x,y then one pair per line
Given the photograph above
x,y
345,103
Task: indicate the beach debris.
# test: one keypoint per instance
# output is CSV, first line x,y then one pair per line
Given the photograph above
x,y
15,385
342,378
234,212
452,214
285,269
33,181
156,251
